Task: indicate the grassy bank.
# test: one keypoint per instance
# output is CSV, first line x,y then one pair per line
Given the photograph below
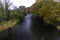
x,y
8,24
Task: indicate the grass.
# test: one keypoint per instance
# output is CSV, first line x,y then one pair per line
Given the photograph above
x,y
7,24
58,27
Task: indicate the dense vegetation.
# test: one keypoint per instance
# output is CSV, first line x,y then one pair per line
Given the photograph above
x,y
10,17
47,11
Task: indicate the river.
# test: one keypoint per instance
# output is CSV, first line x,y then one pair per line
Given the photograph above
x,y
30,30
23,31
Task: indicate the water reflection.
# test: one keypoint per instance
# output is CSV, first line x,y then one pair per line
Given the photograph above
x,y
23,32
28,22
33,30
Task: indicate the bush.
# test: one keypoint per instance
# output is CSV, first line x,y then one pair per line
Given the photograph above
x,y
48,11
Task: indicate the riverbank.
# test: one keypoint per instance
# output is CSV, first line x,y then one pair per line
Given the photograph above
x,y
6,27
41,21
30,25
43,31
8,24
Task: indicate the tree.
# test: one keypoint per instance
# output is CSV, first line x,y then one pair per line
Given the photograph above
x,y
1,6
48,11
7,5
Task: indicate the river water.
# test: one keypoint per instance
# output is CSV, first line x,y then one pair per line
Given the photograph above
x,y
30,30
23,31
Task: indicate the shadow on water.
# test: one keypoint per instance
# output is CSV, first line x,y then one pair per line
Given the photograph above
x,y
31,29
45,32
6,34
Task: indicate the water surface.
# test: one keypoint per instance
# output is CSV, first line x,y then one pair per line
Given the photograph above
x,y
31,29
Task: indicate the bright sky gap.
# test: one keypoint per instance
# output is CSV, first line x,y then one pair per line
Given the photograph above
x,y
26,3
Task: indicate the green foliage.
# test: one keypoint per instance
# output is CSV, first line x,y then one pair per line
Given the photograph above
x,y
7,14
49,11
13,14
